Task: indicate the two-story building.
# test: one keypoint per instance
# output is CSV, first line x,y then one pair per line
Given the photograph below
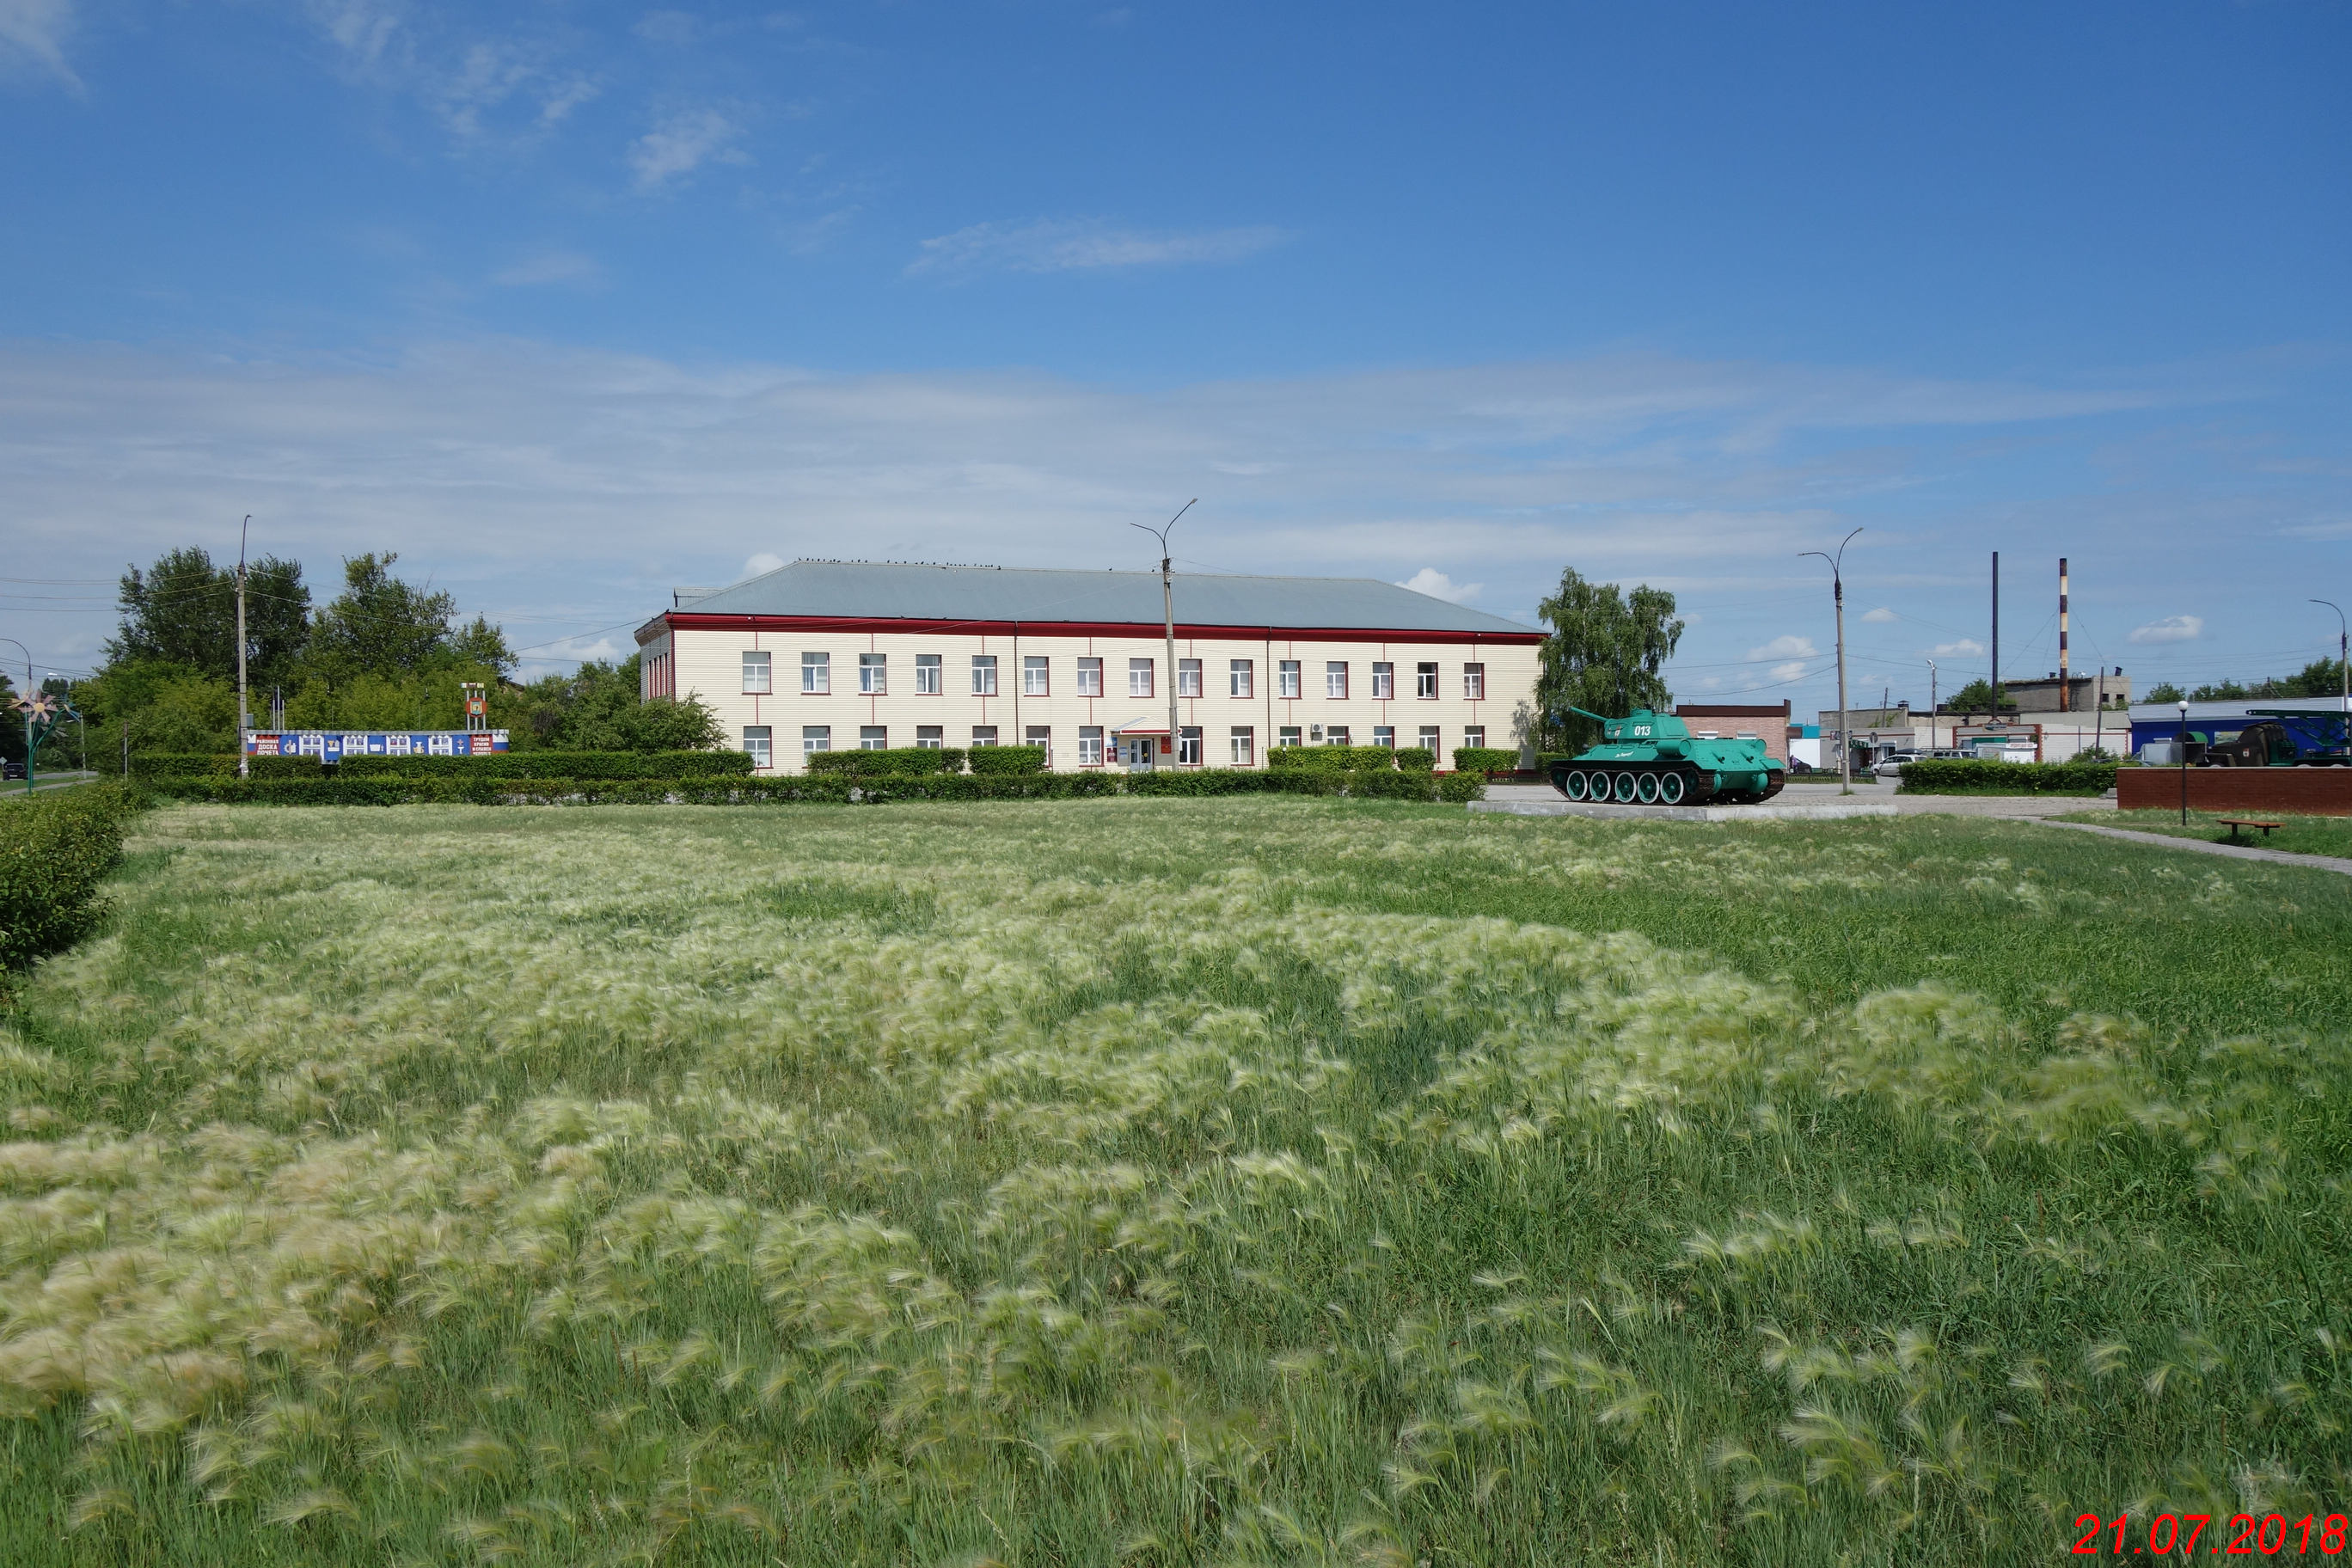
x,y
828,655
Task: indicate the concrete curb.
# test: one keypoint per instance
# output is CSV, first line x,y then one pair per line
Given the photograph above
x,y
2234,851
1685,813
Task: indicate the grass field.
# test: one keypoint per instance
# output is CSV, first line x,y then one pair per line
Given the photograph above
x,y
1169,1181
2297,835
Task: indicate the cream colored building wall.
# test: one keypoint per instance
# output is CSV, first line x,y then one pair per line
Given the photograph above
x,y
709,664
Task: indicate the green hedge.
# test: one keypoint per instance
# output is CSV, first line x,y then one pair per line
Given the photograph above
x,y
1931,776
1006,759
55,849
1484,760
1363,784
894,761
1415,760
1337,759
161,768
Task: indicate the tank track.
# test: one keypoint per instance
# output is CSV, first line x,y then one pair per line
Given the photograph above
x,y
1655,783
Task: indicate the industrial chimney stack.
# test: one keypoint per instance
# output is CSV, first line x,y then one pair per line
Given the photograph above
x,y
2065,692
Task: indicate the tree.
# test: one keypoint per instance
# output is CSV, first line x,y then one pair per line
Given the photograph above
x,y
1976,697
1603,655
182,611
381,626
2162,691
596,709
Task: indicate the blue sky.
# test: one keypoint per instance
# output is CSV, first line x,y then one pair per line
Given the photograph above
x,y
568,303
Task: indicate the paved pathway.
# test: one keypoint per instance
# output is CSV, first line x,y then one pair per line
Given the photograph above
x,y
2202,846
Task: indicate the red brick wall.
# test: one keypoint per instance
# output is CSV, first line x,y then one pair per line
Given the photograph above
x,y
1769,725
2307,792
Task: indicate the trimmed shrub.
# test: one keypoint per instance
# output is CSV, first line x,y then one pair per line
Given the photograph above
x,y
542,765
1208,780
184,764
1007,759
1950,775
1415,759
1484,760
897,761
1460,788
55,851
1330,759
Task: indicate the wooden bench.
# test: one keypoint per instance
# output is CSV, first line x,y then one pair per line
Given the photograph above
x,y
2235,822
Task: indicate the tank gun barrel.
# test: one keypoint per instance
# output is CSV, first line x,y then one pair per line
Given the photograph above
x,y
1598,718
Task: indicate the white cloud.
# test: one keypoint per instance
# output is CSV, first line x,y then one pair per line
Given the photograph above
x,y
1083,245
1429,580
2172,628
683,143
1792,671
1964,647
1881,617
1786,647
765,562
550,267
34,32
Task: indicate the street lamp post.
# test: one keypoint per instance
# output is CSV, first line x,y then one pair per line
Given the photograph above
x,y
1168,607
1837,595
2344,661
2183,744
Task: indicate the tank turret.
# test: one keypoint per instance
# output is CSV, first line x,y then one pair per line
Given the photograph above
x,y
1652,759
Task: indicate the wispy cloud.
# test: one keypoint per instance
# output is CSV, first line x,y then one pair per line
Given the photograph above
x,y
684,142
1429,580
33,33
765,562
1084,245
1881,617
2171,628
508,90
1963,647
1794,652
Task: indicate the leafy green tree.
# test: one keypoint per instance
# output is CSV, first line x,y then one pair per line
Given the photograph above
x,y
2162,691
1604,653
2219,691
183,611
379,625
1976,697
596,709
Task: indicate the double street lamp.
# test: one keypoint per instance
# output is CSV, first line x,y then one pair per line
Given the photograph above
x,y
1837,593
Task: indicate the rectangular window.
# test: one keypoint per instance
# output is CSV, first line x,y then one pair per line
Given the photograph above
x,y
1475,735
1188,677
1244,746
1428,742
1384,682
757,739
983,675
816,738
1424,681
1090,682
1042,737
1188,746
1384,735
929,737
759,674
873,738
1474,680
817,674
1285,737
1334,678
874,674
1337,735
984,735
1139,677
927,675
1287,678
1243,676
1090,739
1034,675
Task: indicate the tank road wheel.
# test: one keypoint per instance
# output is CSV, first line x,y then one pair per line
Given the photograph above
x,y
1646,788
1573,783
1670,789
1772,783
1622,788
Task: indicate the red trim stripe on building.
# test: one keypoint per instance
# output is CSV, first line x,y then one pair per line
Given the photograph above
x,y
689,621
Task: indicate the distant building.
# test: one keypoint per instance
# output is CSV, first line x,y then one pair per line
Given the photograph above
x,y
833,655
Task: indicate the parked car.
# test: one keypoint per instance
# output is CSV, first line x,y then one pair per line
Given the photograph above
x,y
1893,766
12,770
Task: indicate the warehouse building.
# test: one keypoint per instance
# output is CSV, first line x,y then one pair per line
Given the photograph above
x,y
828,655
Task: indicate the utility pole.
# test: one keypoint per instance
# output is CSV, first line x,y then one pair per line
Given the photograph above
x,y
1168,605
1996,636
1837,595
1932,706
2344,659
244,714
